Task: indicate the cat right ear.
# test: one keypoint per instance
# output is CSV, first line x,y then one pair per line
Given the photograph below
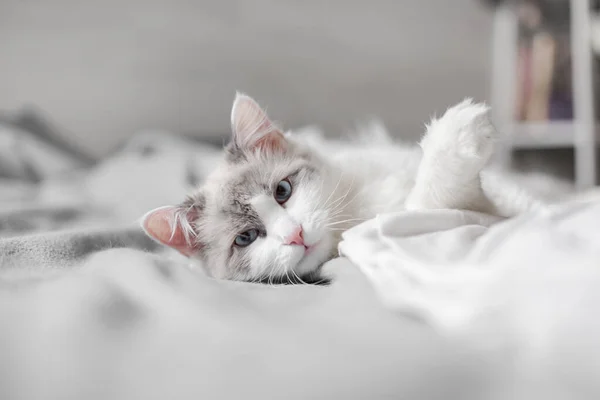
x,y
251,127
171,226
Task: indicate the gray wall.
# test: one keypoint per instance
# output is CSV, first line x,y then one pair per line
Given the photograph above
x,y
104,69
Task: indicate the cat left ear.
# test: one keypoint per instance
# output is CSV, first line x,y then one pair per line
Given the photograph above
x,y
252,129
171,226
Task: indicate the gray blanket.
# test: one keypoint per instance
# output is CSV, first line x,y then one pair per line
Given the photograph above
x,y
58,206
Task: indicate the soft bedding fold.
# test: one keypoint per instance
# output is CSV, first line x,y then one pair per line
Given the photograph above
x,y
92,309
525,293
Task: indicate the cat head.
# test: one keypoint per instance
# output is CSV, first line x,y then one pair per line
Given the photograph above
x,y
269,211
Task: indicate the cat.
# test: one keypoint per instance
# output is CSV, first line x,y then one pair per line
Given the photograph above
x,y
275,208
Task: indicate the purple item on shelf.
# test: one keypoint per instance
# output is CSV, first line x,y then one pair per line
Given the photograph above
x,y
561,107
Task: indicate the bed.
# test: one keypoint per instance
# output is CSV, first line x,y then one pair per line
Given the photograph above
x,y
91,308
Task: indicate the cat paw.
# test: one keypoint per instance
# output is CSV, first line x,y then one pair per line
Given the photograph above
x,y
464,133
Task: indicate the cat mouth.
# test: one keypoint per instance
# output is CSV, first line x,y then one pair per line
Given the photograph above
x,y
305,271
308,249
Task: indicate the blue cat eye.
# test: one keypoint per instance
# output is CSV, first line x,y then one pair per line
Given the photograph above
x,y
246,238
283,191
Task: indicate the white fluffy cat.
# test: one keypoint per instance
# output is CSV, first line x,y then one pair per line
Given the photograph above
x,y
278,203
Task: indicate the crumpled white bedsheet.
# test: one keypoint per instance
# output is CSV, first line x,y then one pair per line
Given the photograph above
x,y
90,308
130,325
523,293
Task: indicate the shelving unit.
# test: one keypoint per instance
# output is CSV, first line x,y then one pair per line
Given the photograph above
x,y
580,133
558,134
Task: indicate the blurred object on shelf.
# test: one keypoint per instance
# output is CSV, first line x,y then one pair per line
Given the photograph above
x,y
545,79
595,25
543,50
544,85
555,12
552,15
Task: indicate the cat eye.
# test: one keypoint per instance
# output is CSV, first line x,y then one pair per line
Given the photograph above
x,y
246,238
283,191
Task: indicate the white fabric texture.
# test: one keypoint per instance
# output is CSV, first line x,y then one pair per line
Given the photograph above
x,y
90,308
525,293
88,312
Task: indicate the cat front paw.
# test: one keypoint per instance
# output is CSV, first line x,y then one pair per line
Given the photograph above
x,y
464,132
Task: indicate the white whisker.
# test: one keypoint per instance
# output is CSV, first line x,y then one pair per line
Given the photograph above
x,y
333,191
342,198
346,220
298,277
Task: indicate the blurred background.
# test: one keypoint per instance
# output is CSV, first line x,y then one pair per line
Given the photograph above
x,y
102,70
98,72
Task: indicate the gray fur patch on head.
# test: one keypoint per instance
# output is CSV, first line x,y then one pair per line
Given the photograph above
x,y
234,153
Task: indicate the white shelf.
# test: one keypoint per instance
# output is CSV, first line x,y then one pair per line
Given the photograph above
x,y
580,134
542,135
546,135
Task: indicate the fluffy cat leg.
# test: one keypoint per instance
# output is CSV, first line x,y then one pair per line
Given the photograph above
x,y
456,147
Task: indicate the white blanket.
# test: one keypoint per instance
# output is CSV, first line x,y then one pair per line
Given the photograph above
x,y
90,308
525,293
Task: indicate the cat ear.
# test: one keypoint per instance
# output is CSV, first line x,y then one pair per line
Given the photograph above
x,y
252,128
171,226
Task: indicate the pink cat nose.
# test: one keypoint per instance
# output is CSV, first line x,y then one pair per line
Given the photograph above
x,y
295,237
